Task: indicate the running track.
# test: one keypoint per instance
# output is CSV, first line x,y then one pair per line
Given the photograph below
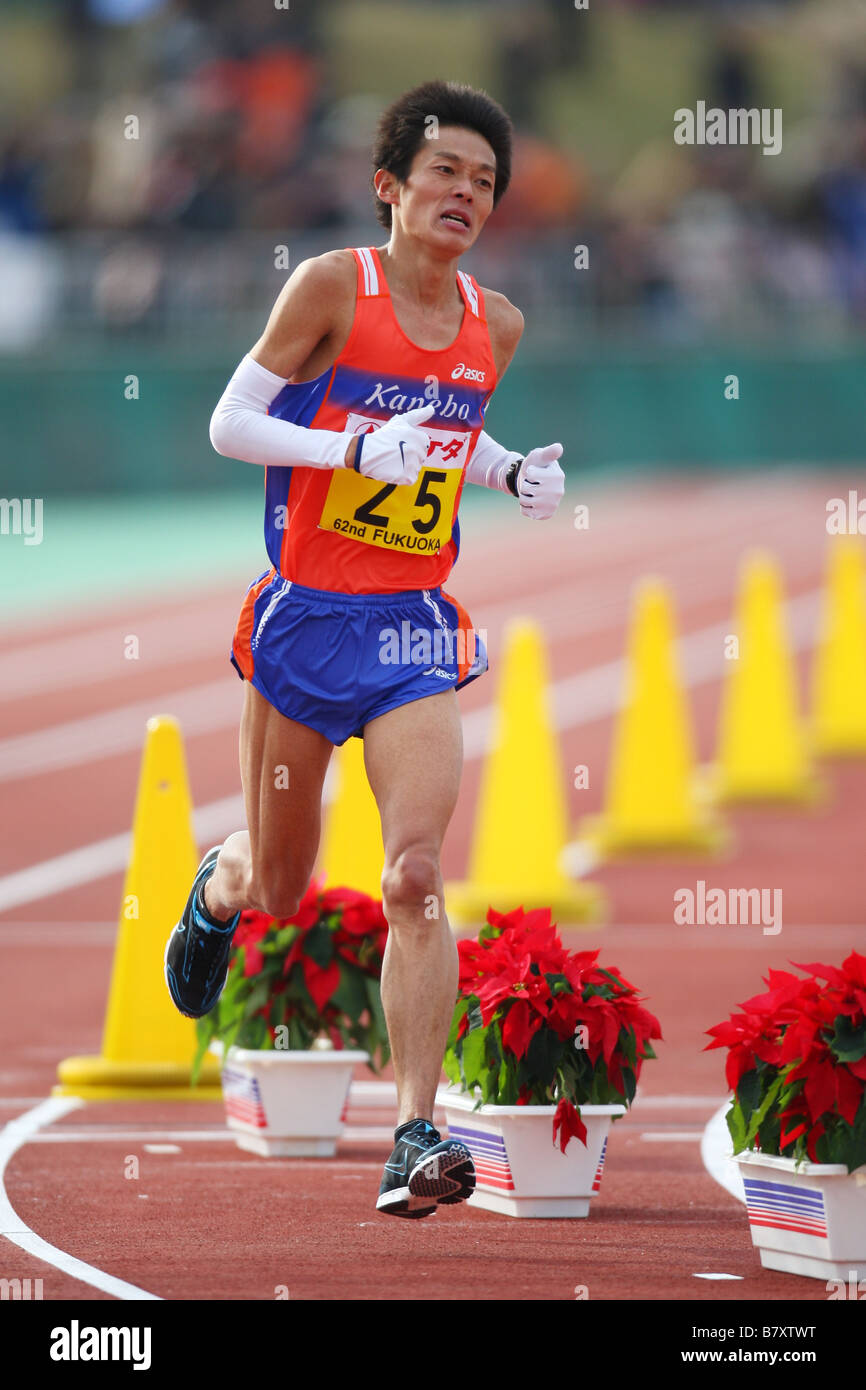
x,y
204,1220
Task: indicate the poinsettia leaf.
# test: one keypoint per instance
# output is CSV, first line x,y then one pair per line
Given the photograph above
x,y
489,1084
736,1126
319,945
281,939
231,1033
451,1067
558,984
628,1043
350,994
749,1091
614,980
460,1009
257,998
769,1134
844,1143
377,1016
254,1033
472,1057
758,1114
236,983
508,1089
202,1043
848,1042
543,1055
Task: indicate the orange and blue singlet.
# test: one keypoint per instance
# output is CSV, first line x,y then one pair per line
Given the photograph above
x,y
350,619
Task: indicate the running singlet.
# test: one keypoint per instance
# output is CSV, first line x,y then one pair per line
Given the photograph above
x,y
334,528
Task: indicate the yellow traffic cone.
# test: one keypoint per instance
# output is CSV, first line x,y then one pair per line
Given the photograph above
x,y
650,805
352,854
520,828
839,670
762,750
147,1046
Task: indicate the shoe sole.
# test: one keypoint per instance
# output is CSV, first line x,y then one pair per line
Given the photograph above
x,y
447,1177
400,1202
165,966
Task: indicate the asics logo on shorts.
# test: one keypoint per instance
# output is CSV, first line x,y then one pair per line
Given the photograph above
x,y
437,671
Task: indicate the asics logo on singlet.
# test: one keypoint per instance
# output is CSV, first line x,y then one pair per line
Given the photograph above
x,y
468,373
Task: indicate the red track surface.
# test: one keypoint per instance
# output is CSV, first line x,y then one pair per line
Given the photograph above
x,y
205,1223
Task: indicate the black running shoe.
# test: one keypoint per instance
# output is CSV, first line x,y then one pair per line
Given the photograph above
x,y
197,953
424,1171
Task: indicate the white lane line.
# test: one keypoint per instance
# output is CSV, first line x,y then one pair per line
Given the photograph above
x,y
97,651
104,857
672,1136
716,1151
16,1133
24,1102
61,663
201,709
368,1134
576,701
131,1136
215,705
676,1102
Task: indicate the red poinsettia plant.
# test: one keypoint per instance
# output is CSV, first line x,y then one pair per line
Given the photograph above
x,y
537,1024
296,979
797,1065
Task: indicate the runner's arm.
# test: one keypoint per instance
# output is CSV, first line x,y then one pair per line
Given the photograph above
x,y
304,315
536,480
490,464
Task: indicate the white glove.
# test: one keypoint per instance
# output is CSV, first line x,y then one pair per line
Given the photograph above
x,y
541,482
395,453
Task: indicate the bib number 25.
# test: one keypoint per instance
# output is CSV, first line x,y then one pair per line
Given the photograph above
x,y
416,519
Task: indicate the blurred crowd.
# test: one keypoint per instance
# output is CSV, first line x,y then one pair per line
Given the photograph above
x,y
243,133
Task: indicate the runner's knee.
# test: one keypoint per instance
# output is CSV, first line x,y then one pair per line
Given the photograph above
x,y
411,880
279,891
279,900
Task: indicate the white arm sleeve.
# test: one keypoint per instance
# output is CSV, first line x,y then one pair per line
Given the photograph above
x,y
489,464
241,428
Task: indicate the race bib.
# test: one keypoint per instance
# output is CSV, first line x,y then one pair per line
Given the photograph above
x,y
414,518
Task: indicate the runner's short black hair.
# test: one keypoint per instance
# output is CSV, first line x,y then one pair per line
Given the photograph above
x,y
402,131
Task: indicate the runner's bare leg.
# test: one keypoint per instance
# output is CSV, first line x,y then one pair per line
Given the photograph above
x,y
414,757
268,866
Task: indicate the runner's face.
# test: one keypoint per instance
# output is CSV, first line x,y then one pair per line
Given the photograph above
x,y
448,195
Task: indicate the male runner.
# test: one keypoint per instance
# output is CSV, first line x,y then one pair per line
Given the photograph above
x,y
364,399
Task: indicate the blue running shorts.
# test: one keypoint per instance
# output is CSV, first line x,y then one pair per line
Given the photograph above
x,y
335,661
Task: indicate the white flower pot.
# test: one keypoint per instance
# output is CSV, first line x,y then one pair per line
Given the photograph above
x,y
287,1103
519,1170
810,1220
